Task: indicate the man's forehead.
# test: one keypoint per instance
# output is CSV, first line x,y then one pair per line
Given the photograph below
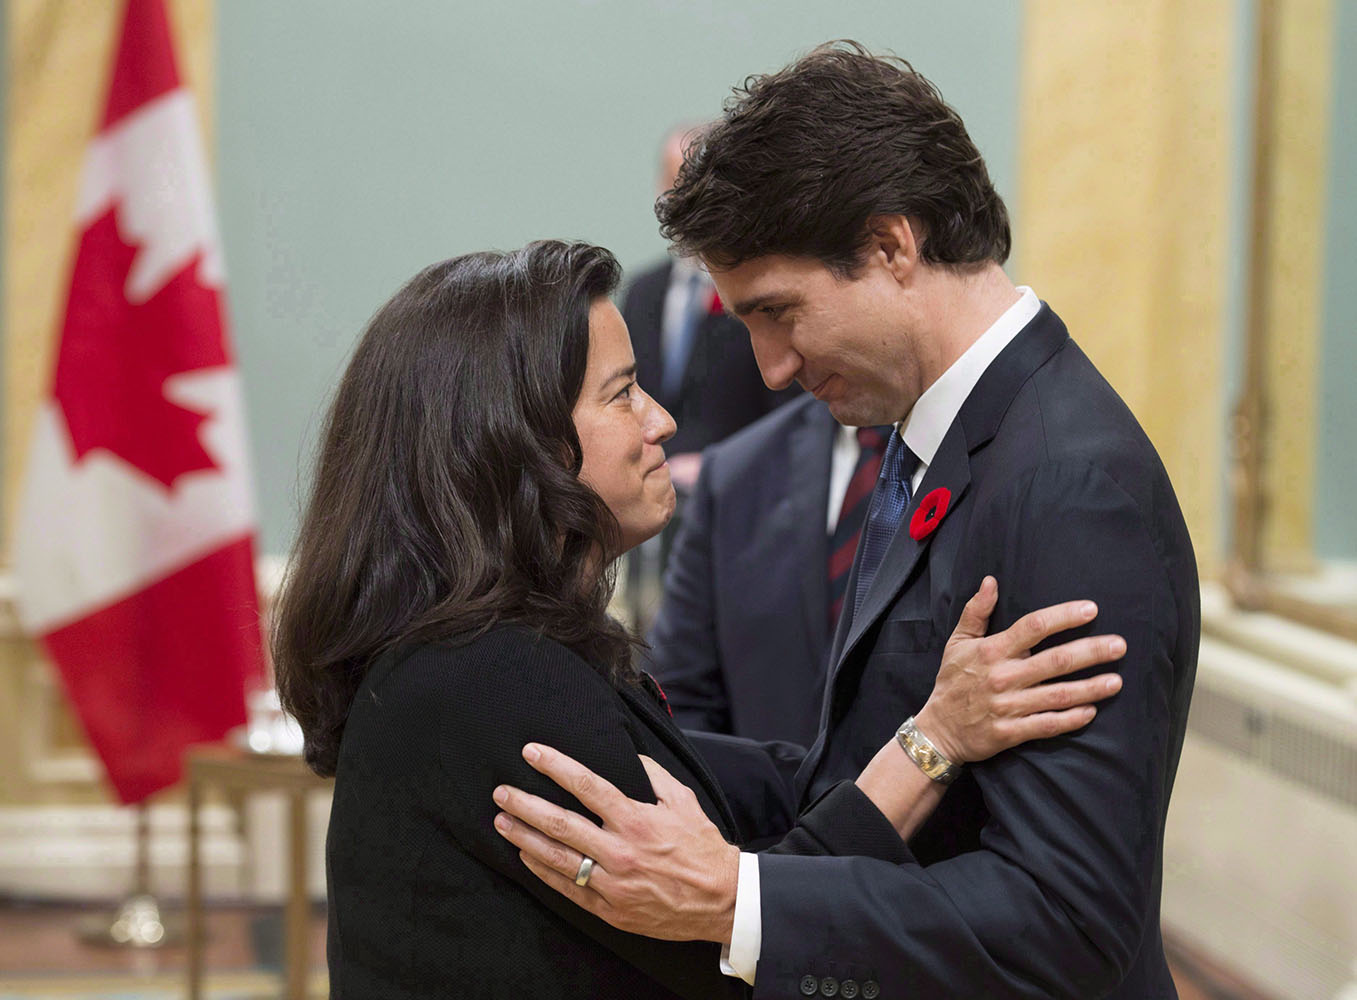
x,y
767,269
762,277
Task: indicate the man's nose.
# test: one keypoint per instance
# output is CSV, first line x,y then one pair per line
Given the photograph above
x,y
778,363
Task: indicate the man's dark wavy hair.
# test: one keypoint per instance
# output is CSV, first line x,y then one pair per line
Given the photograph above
x,y
803,157
446,496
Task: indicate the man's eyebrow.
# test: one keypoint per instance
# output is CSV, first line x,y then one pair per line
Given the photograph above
x,y
746,306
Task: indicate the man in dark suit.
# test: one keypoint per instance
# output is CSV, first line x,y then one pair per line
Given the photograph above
x,y
850,222
694,359
710,382
691,356
771,526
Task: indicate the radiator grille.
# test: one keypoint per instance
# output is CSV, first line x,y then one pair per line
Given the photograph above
x,y
1317,752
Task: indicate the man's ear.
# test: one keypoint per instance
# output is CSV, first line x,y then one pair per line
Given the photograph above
x,y
891,240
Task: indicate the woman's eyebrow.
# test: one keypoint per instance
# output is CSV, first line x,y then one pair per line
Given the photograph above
x,y
627,373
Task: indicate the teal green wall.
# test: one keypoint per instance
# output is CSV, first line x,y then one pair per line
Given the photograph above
x,y
1336,461
359,141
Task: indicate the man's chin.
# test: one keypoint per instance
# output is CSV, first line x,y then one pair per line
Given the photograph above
x,y
851,413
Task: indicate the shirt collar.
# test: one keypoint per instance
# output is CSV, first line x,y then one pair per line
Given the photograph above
x,y
923,429
685,267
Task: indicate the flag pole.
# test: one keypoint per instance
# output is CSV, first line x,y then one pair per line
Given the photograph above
x,y
138,922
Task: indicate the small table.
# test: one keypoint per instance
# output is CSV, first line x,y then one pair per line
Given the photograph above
x,y
234,769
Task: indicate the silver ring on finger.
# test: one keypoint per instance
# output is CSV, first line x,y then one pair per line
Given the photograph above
x,y
586,869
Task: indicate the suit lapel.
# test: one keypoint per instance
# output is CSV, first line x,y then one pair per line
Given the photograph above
x,y
698,359
809,455
985,407
974,426
951,470
645,329
645,705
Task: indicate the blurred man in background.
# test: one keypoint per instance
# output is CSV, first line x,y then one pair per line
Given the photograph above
x,y
756,580
696,361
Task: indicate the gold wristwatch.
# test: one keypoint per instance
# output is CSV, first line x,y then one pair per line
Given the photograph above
x,y
922,751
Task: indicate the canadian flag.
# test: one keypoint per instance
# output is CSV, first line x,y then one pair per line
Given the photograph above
x,y
135,551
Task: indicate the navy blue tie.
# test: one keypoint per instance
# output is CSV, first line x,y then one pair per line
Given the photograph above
x,y
889,503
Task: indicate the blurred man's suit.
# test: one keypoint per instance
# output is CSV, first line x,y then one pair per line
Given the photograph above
x,y
743,630
715,388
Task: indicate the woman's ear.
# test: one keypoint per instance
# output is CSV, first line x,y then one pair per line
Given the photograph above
x,y
892,241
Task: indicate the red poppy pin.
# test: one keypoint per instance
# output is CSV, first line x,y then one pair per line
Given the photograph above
x,y
716,308
659,692
930,514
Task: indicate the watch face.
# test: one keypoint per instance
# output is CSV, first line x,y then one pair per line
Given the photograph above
x,y
932,763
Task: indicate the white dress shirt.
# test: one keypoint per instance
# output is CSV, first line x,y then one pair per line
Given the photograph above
x,y
922,430
678,297
843,461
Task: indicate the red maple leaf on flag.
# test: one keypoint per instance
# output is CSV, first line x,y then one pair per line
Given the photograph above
x,y
115,356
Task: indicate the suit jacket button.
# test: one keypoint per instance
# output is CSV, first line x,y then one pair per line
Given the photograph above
x,y
809,986
848,989
829,987
870,990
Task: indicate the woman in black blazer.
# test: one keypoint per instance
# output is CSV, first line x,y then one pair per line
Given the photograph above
x,y
487,456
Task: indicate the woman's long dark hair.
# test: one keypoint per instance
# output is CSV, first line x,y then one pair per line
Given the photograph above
x,y
446,497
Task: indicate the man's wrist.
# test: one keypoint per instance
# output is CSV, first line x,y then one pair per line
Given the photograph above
x,y
723,920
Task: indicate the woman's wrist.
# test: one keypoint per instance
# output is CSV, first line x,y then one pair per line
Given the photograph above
x,y
896,786
920,749
932,728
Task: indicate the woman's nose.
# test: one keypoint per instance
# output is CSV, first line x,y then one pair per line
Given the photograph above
x,y
659,425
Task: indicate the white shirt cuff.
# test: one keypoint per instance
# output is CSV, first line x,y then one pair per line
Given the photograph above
x,y
740,958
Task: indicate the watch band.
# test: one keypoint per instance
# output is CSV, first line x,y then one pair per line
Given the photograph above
x,y
922,751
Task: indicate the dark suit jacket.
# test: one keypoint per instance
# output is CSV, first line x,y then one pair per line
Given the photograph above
x,y
742,633
426,899
722,389
1040,873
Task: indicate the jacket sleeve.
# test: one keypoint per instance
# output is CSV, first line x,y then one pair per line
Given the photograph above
x,y
557,699
684,653
844,822
758,779
1057,900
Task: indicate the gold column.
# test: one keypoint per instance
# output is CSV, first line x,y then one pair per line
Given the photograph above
x,y
1298,155
1123,213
